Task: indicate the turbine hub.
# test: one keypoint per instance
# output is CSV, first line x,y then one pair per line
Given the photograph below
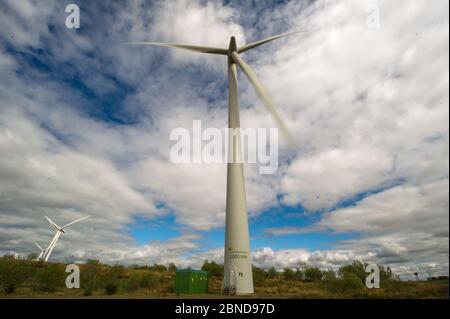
x,y
232,48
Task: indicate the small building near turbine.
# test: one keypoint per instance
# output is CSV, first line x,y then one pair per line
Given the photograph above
x,y
191,281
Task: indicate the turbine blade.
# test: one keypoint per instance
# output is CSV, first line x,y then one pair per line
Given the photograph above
x,y
76,221
258,43
52,223
38,246
264,96
193,48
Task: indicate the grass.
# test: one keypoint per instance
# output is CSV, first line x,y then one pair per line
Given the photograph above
x,y
30,279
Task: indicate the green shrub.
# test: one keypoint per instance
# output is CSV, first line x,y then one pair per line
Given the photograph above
x,y
149,280
313,274
386,276
156,267
91,277
117,271
10,275
88,291
111,287
299,274
352,282
357,268
213,269
272,272
50,278
259,276
288,273
172,267
348,283
133,283
328,275
10,287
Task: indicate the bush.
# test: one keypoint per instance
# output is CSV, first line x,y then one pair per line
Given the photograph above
x,y
133,283
272,272
172,267
313,274
50,278
328,275
213,269
111,287
259,275
156,267
357,268
11,276
141,279
288,273
349,283
91,277
386,275
299,274
10,287
88,291
149,280
117,271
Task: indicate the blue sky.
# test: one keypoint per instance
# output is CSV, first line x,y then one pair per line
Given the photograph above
x,y
164,228
85,123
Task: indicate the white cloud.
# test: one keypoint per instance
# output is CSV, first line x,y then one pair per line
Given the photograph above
x,y
183,21
322,180
402,209
210,24
297,258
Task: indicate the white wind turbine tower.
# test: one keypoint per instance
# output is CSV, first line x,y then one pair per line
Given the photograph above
x,y
59,231
238,276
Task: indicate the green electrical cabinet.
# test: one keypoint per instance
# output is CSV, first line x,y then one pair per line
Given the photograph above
x,y
190,281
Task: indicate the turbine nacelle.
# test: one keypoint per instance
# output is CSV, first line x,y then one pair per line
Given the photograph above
x,y
54,225
232,46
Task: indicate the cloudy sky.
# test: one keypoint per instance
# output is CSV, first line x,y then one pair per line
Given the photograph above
x,y
85,121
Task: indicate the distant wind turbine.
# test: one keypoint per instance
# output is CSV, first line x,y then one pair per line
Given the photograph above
x,y
59,231
238,276
41,254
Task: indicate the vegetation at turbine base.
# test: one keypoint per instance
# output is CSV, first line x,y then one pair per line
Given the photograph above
x,y
27,278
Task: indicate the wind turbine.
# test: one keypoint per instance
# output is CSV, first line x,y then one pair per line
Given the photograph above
x,y
238,276
41,254
59,231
